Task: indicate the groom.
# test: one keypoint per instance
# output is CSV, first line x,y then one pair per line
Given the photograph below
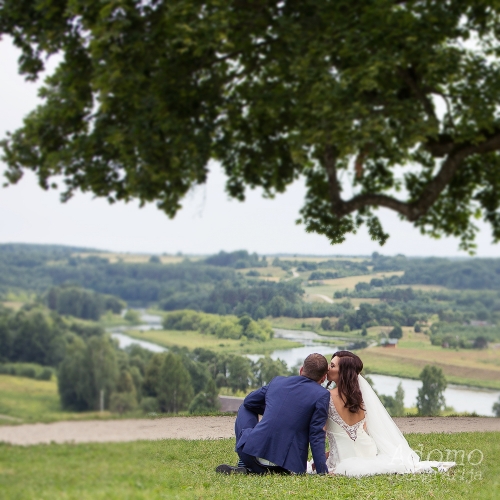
x,y
295,410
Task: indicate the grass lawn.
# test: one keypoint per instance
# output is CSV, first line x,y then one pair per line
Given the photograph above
x,y
176,469
191,340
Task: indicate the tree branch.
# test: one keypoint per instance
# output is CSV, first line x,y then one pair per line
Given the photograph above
x,y
447,171
441,146
410,79
330,159
414,210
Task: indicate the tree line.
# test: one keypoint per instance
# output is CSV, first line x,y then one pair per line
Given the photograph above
x,y
34,335
81,303
224,327
92,370
213,285
466,319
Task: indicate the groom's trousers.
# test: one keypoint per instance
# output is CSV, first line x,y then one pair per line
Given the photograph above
x,y
245,422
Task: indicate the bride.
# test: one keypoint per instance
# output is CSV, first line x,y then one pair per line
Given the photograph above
x,y
363,438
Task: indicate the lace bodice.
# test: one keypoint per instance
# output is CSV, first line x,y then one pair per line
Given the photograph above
x,y
352,430
344,439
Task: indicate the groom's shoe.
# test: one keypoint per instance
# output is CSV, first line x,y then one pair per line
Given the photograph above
x,y
229,469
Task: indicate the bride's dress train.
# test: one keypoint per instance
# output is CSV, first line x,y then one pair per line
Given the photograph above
x,y
380,449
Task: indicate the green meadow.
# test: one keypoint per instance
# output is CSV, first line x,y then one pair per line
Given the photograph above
x,y
25,400
192,340
180,469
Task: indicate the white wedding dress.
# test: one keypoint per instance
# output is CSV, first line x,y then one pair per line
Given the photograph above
x,y
380,449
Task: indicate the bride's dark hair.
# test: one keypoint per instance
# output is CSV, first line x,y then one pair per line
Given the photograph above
x,y
350,367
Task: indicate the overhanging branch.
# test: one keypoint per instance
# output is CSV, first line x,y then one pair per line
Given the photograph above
x,y
414,210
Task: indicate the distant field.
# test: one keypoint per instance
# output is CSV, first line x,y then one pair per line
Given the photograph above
x,y
320,259
191,340
351,281
473,367
423,288
329,287
317,297
311,296
357,302
271,273
295,323
135,258
12,305
26,400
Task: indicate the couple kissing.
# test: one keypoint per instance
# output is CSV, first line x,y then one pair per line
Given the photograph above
x,y
298,412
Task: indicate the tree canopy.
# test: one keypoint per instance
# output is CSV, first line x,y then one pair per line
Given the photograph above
x,y
389,104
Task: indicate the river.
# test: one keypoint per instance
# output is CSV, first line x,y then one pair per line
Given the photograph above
x,y
461,398
150,322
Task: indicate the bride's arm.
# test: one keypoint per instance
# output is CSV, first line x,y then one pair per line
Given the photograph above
x,y
364,425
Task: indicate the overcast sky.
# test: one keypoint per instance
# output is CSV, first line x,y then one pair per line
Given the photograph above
x,y
209,221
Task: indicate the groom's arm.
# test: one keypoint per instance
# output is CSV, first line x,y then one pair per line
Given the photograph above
x,y
256,401
317,433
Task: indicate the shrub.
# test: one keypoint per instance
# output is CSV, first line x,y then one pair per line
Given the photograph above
x,y
326,324
207,400
121,402
360,287
28,372
132,316
149,405
396,333
496,408
45,374
480,343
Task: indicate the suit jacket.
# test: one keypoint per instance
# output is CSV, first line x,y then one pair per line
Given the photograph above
x,y
295,410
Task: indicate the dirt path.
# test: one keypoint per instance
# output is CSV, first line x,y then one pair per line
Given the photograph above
x,y
101,431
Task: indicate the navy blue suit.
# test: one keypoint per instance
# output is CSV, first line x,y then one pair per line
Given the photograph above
x,y
295,410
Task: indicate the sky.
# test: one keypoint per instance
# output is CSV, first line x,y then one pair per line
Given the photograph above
x,y
209,221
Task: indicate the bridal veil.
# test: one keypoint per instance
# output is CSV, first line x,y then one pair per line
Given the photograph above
x,y
394,453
